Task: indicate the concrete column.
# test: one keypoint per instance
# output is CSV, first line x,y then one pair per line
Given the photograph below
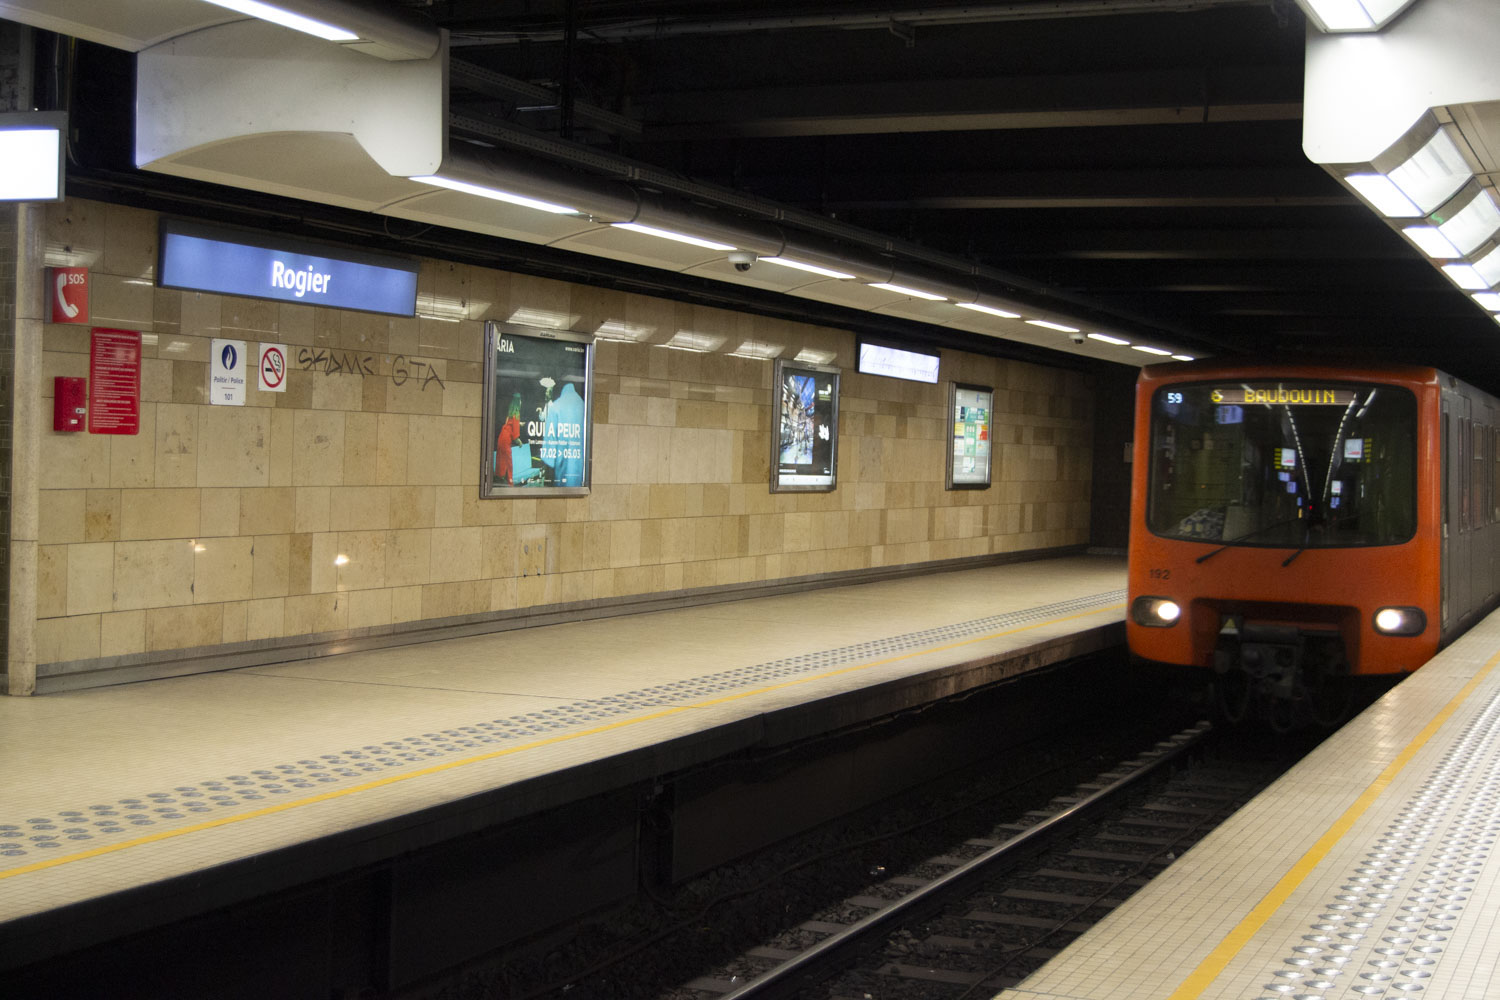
x,y
26,430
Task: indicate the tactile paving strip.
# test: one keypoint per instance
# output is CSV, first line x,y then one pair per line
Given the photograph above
x,y
1385,933
102,823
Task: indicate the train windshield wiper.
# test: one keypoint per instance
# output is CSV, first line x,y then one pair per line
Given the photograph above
x,y
1251,534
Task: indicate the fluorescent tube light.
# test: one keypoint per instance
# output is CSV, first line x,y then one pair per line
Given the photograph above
x,y
667,234
1465,276
1433,173
287,19
1151,350
913,292
1432,242
1183,357
1053,326
496,194
1473,224
30,163
826,272
1489,301
991,310
1106,338
1381,192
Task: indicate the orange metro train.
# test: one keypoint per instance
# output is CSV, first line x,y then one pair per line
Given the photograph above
x,y
1295,527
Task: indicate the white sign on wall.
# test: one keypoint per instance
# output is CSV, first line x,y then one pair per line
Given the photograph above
x,y
226,373
271,375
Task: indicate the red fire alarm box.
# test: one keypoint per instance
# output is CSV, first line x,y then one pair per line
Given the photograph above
x,y
68,409
68,293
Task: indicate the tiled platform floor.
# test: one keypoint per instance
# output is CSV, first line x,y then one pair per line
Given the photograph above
x,y
108,789
1367,871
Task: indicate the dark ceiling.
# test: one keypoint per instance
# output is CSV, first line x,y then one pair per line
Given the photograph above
x,y
1142,157
1137,160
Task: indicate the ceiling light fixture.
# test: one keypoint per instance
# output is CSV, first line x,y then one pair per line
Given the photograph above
x,y
495,194
1488,301
1106,338
1052,326
1183,357
903,290
1335,16
1151,350
1469,226
1431,241
667,234
1465,276
826,272
1382,192
287,19
989,310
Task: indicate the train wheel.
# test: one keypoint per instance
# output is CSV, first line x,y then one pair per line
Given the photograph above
x,y
1232,691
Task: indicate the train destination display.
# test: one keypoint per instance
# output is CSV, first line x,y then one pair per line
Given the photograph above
x,y
971,408
804,439
537,406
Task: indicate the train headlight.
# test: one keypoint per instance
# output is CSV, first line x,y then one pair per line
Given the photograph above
x,y
1400,621
1155,612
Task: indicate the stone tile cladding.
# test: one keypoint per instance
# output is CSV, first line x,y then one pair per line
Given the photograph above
x,y
220,525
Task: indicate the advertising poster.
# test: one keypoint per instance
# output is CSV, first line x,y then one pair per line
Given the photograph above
x,y
805,431
537,412
969,448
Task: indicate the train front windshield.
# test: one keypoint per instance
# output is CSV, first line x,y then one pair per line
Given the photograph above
x,y
1285,464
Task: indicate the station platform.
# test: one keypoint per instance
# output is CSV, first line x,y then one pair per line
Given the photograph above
x,y
1366,871
130,806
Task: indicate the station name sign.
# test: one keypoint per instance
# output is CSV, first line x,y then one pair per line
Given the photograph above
x,y
206,258
1282,395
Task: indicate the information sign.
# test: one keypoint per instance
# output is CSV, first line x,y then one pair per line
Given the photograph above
x,y
226,372
114,381
272,372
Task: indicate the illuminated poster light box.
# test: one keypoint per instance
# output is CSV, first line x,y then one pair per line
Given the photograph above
x,y
538,401
805,428
31,155
896,362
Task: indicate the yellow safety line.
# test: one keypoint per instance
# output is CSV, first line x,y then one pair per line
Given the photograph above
x,y
392,779
1229,948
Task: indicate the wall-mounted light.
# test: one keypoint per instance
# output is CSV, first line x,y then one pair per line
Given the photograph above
x,y
826,272
496,194
365,27
667,234
915,293
988,310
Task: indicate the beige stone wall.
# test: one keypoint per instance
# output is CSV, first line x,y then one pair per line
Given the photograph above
x,y
220,525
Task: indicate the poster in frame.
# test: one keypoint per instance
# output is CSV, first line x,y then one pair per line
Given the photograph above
x,y
804,428
971,410
538,412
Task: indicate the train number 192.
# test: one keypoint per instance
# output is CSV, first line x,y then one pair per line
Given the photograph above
x,y
1160,574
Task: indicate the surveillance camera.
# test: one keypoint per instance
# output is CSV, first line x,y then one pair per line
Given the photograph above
x,y
742,259
1076,338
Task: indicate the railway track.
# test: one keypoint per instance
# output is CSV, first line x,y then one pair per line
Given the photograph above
x,y
982,915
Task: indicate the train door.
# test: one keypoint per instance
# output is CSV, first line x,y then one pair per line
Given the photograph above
x,y
1457,555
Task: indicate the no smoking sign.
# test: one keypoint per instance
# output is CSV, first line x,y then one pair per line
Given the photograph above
x,y
272,369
